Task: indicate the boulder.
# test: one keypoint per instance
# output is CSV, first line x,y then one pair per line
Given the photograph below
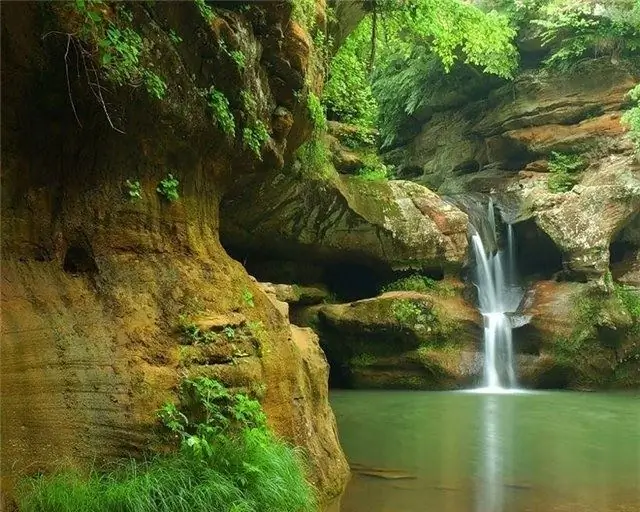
x,y
386,225
401,340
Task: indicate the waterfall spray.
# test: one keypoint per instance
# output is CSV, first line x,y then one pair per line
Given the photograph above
x,y
498,295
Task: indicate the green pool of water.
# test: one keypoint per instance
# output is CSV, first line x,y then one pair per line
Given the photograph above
x,y
464,452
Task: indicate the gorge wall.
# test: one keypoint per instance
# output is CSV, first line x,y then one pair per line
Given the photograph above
x,y
94,283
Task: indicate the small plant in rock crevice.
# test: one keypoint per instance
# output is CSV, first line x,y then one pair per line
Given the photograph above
x,y
205,11
247,297
134,189
563,170
221,110
255,136
168,188
412,314
175,38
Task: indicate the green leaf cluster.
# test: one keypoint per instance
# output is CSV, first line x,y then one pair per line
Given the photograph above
x,y
578,30
563,171
413,282
255,136
168,188
221,111
121,50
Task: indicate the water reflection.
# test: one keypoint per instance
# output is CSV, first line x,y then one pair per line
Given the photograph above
x,y
470,452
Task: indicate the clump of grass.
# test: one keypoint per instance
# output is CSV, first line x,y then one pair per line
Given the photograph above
x,y
228,462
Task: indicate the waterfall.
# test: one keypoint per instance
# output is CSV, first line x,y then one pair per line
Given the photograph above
x,y
498,295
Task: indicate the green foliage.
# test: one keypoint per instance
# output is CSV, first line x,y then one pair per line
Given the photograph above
x,y
412,313
228,462
362,360
304,12
219,105
120,49
373,173
347,94
316,112
255,136
205,11
631,118
229,332
562,171
134,190
192,334
314,158
175,38
168,188
577,30
239,58
630,298
415,43
413,283
247,297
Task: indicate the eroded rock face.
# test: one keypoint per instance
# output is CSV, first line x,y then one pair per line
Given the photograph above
x,y
502,146
582,337
401,340
95,281
392,225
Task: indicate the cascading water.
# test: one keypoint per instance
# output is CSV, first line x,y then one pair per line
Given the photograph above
x,y
498,295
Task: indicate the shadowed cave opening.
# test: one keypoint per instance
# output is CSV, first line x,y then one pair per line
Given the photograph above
x,y
79,259
536,254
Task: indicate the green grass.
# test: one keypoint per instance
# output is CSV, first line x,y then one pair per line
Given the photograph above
x,y
251,473
228,461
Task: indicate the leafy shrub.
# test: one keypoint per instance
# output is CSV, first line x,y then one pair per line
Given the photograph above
x,y
411,313
168,188
239,58
228,462
563,169
577,30
134,190
254,137
175,38
219,105
414,283
229,332
304,12
630,298
347,94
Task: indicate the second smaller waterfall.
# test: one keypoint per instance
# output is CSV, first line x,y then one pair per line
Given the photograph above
x,y
498,295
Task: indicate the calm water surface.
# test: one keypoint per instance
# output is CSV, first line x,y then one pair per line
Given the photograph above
x,y
464,452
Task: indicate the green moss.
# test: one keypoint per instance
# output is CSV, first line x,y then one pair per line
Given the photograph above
x,y
414,282
362,360
564,169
